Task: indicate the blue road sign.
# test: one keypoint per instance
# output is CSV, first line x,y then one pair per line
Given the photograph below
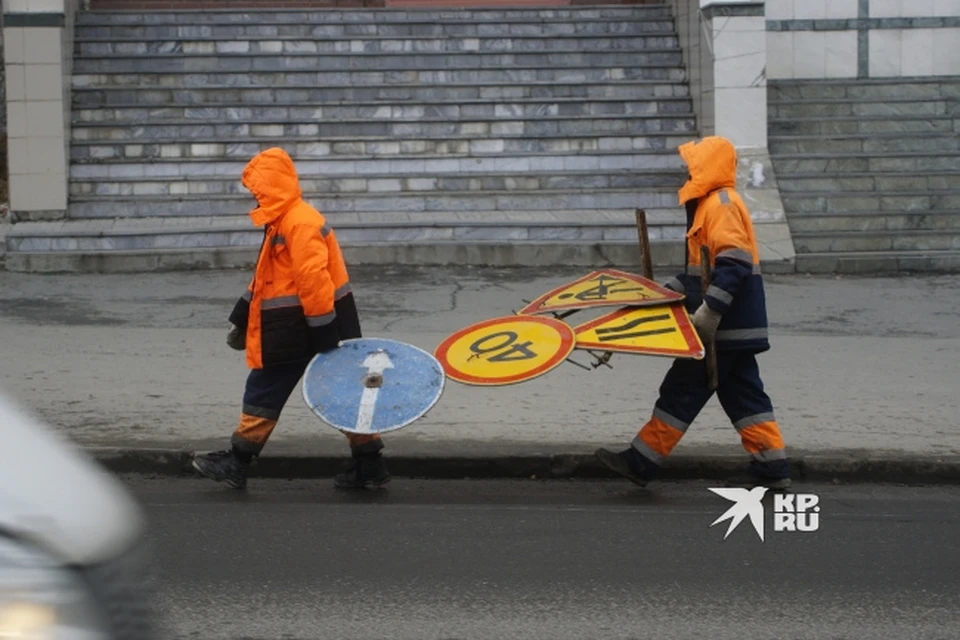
x,y
372,385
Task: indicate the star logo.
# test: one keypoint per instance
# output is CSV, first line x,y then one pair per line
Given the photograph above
x,y
748,504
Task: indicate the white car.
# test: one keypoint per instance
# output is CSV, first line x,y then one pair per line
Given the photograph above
x,y
72,566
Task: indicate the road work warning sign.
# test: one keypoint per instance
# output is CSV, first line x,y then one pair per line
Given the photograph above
x,y
603,288
656,331
505,350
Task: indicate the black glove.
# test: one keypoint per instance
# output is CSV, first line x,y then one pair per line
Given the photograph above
x,y
236,338
673,284
325,338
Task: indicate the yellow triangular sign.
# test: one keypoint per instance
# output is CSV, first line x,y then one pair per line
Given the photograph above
x,y
655,331
603,288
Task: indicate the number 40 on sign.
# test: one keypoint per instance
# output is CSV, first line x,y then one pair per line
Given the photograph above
x,y
506,350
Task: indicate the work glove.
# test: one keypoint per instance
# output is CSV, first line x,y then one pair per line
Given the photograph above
x,y
673,284
706,321
236,338
326,338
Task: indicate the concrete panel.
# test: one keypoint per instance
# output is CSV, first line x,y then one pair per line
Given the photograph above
x,y
45,118
885,53
809,54
916,52
41,45
946,52
840,53
44,81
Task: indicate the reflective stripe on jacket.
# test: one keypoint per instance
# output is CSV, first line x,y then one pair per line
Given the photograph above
x,y
722,223
300,295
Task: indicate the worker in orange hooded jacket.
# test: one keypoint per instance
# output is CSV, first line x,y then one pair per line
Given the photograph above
x,y
733,312
299,303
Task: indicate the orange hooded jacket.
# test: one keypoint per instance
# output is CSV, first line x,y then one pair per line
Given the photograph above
x,y
299,301
719,219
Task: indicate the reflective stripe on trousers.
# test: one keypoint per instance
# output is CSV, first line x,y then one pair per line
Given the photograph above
x,y
265,395
684,393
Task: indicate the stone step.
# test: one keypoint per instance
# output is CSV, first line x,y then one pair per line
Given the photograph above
x,y
787,164
157,132
868,90
864,144
666,255
876,263
870,221
867,126
360,19
871,181
219,205
484,238
257,30
369,168
509,76
225,94
660,114
249,63
479,183
254,30
856,108
361,149
111,96
851,241
236,43
351,229
893,201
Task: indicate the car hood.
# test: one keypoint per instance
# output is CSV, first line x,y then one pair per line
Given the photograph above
x,y
55,497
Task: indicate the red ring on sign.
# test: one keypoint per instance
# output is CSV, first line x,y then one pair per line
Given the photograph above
x,y
568,341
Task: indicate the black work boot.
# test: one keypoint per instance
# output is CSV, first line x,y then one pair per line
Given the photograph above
x,y
366,469
223,466
772,475
627,463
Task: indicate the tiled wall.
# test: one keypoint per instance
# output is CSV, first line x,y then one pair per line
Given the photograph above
x,y
698,60
724,47
862,38
915,52
739,53
35,50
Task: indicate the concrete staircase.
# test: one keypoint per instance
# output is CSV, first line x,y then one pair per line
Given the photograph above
x,y
869,172
501,136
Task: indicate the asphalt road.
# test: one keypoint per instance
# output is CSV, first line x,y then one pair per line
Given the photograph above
x,y
530,559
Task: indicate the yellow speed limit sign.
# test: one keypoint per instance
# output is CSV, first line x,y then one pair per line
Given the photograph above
x,y
505,350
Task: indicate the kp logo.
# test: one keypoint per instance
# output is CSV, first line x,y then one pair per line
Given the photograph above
x,y
791,512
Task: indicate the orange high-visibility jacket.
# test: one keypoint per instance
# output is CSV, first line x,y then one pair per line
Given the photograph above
x,y
722,223
299,301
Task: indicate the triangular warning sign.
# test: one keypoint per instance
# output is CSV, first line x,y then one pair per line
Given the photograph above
x,y
655,331
603,288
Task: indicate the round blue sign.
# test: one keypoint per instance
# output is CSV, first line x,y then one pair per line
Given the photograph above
x,y
372,385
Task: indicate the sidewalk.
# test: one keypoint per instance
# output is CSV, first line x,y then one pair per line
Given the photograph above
x,y
863,374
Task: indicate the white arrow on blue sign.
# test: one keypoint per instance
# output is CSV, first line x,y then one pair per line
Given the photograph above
x,y
372,385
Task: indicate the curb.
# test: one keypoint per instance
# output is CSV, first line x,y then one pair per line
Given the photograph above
x,y
807,468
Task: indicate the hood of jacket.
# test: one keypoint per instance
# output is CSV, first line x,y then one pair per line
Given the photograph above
x,y
272,179
712,163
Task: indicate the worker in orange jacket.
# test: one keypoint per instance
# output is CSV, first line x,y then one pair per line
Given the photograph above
x,y
733,312
299,303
